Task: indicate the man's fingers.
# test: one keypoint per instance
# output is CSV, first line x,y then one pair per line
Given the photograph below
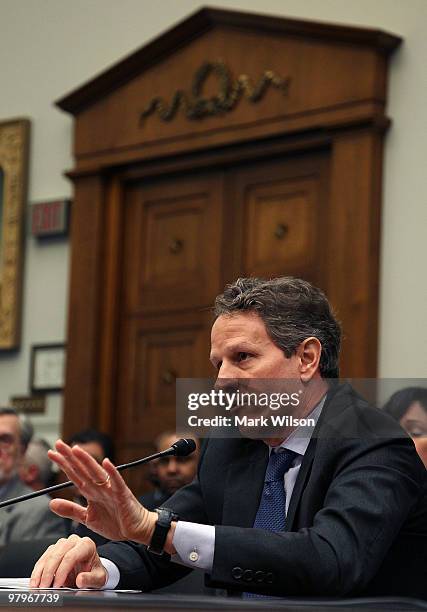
x,y
82,553
95,472
38,567
68,509
73,460
118,485
46,567
95,579
66,467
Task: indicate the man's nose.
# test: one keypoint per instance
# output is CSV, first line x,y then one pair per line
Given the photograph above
x,y
228,378
172,465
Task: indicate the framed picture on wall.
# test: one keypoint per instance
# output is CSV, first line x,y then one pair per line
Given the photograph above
x,y
14,146
47,370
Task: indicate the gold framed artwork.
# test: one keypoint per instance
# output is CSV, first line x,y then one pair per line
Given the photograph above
x,y
14,146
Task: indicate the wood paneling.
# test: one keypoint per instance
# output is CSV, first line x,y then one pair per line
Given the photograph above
x,y
84,307
353,255
173,228
279,207
165,213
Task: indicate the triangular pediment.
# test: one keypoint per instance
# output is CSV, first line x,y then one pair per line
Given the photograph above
x,y
201,22
222,77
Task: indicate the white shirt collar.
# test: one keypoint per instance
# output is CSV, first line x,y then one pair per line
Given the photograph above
x,y
299,439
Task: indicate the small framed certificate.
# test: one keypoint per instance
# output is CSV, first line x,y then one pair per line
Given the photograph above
x,y
47,373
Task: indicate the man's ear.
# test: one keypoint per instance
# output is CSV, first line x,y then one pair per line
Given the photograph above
x,y
309,352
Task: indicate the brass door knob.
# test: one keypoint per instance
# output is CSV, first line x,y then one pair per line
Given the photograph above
x,y
168,377
176,246
281,230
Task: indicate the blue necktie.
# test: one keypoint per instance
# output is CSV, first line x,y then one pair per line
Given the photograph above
x,y
271,513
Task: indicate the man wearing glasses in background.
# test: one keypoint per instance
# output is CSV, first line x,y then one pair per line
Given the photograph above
x,y
30,520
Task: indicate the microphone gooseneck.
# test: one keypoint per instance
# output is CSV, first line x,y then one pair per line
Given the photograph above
x,y
180,448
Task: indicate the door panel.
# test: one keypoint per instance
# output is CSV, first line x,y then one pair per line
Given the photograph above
x,y
280,207
173,228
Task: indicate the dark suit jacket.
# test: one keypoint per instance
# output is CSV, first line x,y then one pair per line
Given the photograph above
x,y
356,525
28,520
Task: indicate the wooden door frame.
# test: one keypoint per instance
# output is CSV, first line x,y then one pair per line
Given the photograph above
x,y
97,244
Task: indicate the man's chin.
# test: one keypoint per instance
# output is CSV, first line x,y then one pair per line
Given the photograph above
x,y
173,488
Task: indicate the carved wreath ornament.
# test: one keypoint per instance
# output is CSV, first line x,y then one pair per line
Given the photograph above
x,y
195,106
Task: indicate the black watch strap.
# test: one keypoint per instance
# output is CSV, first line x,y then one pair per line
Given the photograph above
x,y
161,530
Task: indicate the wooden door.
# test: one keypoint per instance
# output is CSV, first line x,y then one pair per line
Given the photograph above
x,y
172,272
184,238
279,213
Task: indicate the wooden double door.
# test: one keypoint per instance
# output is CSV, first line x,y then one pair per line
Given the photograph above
x,y
184,238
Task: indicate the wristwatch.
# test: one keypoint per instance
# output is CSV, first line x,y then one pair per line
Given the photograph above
x,y
161,530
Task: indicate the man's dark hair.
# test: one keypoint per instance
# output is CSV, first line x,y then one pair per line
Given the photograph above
x,y
400,401
93,435
292,310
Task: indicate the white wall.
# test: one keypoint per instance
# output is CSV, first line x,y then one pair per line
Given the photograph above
x,y
49,47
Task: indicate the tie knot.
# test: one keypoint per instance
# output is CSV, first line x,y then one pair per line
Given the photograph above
x,y
279,464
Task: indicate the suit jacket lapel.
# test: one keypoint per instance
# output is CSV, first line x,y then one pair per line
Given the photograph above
x,y
244,485
336,400
301,480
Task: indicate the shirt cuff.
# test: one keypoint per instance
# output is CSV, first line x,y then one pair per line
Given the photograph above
x,y
194,544
113,574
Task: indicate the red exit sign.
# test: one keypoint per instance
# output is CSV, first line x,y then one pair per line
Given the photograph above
x,y
50,218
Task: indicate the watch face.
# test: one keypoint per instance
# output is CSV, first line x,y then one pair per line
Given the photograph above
x,y
161,530
166,511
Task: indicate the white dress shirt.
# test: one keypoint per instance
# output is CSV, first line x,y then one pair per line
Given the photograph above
x,y
195,543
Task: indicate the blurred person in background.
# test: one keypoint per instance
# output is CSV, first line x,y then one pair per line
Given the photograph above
x,y
409,407
99,445
168,474
32,519
37,470
94,442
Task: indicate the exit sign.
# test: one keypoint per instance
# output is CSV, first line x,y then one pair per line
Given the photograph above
x,y
50,218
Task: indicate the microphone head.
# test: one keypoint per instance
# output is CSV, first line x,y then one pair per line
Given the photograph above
x,y
184,447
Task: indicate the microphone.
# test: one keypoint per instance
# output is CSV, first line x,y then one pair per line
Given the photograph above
x,y
183,447
180,448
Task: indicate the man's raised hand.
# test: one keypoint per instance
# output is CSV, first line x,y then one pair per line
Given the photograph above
x,y
112,509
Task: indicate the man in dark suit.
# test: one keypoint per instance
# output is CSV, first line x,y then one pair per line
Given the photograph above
x,y
338,511
169,474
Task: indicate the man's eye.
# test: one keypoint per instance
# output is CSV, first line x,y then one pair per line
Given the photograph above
x,y
417,433
242,356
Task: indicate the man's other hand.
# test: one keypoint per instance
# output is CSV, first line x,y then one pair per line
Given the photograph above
x,y
112,510
71,562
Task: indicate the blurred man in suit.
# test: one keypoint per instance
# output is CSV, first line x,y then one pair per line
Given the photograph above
x,y
36,470
337,509
94,442
99,445
31,519
169,474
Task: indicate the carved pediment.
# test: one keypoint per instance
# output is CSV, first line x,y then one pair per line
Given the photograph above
x,y
223,76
